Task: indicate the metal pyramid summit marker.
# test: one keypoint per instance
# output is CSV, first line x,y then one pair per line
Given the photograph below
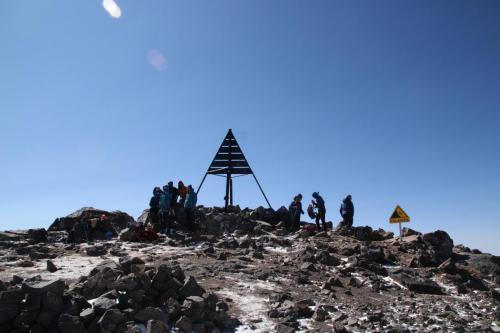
x,y
229,158
229,161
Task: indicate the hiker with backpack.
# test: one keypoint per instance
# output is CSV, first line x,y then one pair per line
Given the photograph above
x,y
296,211
347,211
190,207
319,203
154,207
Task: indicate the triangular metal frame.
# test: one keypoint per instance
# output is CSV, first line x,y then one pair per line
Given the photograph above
x,y
229,161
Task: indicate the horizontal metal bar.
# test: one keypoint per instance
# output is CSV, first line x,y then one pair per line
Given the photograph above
x,y
227,164
234,171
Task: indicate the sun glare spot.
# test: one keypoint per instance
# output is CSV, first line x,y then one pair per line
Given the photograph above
x,y
157,60
112,8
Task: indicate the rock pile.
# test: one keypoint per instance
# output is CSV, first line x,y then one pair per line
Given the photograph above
x,y
244,264
114,298
114,222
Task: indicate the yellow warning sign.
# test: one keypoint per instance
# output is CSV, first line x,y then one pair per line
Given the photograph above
x,y
399,216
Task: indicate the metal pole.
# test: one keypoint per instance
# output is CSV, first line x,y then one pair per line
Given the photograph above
x,y
199,187
231,191
400,232
260,187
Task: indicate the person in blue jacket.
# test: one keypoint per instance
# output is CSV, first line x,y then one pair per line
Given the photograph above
x,y
154,207
190,207
347,211
165,206
319,203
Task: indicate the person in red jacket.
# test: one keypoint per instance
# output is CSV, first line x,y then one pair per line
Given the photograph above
x,y
182,192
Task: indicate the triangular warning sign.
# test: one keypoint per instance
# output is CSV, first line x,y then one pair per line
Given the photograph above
x,y
399,216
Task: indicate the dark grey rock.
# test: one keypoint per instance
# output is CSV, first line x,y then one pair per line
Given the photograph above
x,y
156,326
55,286
71,324
151,313
111,319
191,288
51,267
184,324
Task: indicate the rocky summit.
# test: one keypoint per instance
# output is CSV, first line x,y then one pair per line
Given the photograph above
x,y
242,271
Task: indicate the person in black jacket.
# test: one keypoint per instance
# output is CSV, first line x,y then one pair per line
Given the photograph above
x,y
295,209
154,207
319,203
347,211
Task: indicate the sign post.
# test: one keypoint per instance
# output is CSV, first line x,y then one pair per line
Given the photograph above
x,y
399,216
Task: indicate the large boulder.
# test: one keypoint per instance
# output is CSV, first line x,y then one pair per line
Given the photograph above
x,y
37,235
440,244
115,222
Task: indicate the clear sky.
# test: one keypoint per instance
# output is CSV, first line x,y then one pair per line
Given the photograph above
x,y
394,102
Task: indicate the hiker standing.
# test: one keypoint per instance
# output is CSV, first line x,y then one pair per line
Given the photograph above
x,y
182,192
165,205
154,207
189,207
295,209
319,203
347,211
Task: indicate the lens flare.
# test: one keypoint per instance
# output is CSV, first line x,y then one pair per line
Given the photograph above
x,y
157,60
112,8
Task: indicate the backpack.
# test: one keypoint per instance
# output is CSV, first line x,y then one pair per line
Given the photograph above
x,y
310,211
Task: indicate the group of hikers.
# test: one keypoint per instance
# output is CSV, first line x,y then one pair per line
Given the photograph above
x,y
178,204
317,211
170,204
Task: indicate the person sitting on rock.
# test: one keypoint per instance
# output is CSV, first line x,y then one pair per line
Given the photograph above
x,y
182,192
165,211
319,203
295,209
190,207
347,211
154,207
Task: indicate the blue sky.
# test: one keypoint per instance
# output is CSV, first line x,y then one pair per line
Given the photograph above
x,y
394,102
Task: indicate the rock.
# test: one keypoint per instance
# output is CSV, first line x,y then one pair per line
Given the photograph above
x,y
55,286
26,263
418,285
338,317
307,266
441,245
320,314
191,288
104,303
46,318
157,326
51,267
184,324
95,251
409,232
115,221
37,235
53,302
281,328
111,319
151,313
9,308
87,316
71,324
323,257
448,266
127,262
